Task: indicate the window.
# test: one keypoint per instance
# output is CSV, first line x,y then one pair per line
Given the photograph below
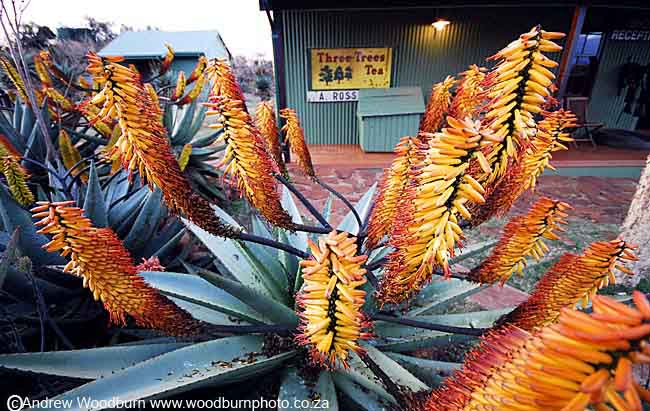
x,y
588,46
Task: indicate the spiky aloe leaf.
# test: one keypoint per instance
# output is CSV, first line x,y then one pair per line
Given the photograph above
x,y
396,372
301,394
363,206
211,363
429,371
238,260
440,294
14,217
363,397
90,363
196,290
276,311
297,239
94,203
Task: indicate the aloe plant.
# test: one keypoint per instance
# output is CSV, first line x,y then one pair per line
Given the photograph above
x,y
332,314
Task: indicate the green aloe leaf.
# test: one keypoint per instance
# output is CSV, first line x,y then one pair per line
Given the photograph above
x,y
15,217
94,205
301,394
327,208
363,207
441,293
365,398
429,371
396,372
238,260
89,363
299,238
146,223
276,311
196,290
211,363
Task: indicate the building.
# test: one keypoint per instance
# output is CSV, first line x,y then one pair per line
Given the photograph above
x,y
314,42
142,48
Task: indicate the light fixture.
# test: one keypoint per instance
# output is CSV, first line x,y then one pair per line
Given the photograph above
x,y
440,24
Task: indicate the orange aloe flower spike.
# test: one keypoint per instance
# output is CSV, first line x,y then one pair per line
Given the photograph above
x,y
247,161
573,279
438,106
426,231
584,360
142,144
295,137
266,123
522,237
330,301
408,155
224,83
518,88
98,256
469,95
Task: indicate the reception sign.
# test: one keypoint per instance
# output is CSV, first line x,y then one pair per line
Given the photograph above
x,y
350,68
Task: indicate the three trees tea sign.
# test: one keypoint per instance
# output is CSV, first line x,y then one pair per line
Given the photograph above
x,y
350,68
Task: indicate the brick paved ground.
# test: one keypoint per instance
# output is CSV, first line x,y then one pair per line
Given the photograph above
x,y
597,199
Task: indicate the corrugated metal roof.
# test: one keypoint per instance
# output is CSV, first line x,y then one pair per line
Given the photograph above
x,y
147,44
390,101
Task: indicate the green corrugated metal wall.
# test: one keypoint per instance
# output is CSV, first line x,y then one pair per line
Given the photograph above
x,y
421,56
605,104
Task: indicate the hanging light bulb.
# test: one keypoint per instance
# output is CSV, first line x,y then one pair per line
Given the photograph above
x,y
440,24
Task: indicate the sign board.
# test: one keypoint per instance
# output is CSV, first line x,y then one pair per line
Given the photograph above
x,y
332,96
630,35
350,68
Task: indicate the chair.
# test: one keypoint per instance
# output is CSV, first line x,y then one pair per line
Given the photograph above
x,y
578,105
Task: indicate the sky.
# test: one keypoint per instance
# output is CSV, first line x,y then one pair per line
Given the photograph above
x,y
244,28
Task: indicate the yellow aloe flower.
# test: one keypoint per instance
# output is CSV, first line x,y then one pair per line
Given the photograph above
x,y
518,89
70,155
469,93
266,123
180,86
247,161
522,175
438,106
167,60
409,153
426,229
184,157
198,70
522,237
52,69
41,71
11,72
551,134
143,145
583,362
330,300
195,92
572,280
98,256
16,180
224,83
15,174
295,137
